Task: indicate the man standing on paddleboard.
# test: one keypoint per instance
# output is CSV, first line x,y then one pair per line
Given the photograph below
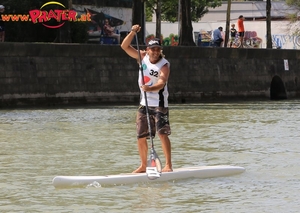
x,y
156,70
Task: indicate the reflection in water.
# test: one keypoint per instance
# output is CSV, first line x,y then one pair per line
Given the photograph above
x,y
263,137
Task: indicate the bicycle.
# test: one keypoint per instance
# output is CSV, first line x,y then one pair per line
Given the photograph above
x,y
236,43
248,42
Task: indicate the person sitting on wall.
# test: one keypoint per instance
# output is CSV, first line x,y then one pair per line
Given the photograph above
x,y
109,31
217,37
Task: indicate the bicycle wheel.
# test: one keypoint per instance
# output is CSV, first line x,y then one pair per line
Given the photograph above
x,y
237,43
248,42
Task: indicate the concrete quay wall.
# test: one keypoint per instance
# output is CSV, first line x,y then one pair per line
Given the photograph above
x,y
49,74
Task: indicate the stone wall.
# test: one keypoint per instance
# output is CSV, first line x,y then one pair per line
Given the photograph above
x,y
49,74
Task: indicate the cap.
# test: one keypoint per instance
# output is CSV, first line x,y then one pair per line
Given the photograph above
x,y
155,42
2,7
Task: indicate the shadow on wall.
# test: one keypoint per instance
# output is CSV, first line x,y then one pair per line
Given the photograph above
x,y
277,90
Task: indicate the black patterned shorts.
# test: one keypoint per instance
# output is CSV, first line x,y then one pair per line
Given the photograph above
x,y
159,120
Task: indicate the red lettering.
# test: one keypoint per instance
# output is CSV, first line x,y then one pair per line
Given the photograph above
x,y
44,16
85,17
51,15
72,15
58,12
82,17
64,16
88,17
34,14
24,17
58,15
5,17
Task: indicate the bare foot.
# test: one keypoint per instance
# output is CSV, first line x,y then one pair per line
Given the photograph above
x,y
167,169
140,170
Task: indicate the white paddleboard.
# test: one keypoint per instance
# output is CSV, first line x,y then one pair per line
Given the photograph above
x,y
177,174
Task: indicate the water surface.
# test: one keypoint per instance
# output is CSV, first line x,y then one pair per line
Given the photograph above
x,y
263,137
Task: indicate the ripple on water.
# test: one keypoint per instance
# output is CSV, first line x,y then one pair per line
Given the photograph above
x,y
263,137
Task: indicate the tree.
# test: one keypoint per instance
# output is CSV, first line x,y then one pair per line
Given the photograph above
x,y
138,18
294,18
198,8
155,6
268,14
168,11
186,32
227,23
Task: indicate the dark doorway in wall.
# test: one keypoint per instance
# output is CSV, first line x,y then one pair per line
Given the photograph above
x,y
277,90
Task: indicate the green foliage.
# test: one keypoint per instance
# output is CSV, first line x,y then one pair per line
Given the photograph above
x,y
170,8
295,3
148,14
29,32
294,17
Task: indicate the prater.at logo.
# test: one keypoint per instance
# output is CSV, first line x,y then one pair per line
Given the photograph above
x,y
55,18
51,14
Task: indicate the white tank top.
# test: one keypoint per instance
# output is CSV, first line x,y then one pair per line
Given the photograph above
x,y
151,76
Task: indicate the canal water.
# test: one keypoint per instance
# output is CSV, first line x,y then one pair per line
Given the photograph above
x,y
263,137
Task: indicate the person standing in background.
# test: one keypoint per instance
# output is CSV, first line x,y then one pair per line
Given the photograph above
x,y
241,29
217,36
233,32
2,27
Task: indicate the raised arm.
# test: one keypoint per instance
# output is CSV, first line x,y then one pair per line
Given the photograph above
x,y
126,44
